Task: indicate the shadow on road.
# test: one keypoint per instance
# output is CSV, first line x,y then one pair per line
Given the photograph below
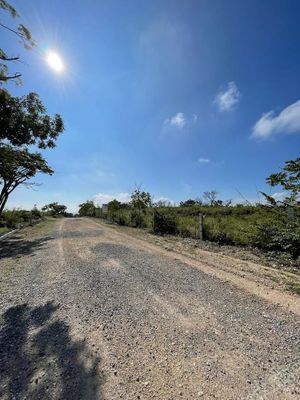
x,y
17,246
40,360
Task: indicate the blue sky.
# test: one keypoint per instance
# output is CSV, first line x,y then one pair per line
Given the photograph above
x,y
179,96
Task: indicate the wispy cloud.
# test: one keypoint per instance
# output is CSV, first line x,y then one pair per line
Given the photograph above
x,y
287,121
103,198
178,121
203,160
227,99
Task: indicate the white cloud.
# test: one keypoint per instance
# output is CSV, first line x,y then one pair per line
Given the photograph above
x,y
103,198
178,121
204,160
279,196
226,100
287,121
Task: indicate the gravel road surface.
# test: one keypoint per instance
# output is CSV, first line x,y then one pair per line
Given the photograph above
x,y
90,313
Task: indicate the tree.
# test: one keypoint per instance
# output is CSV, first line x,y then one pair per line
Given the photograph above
x,y
87,209
289,179
55,209
140,199
114,205
190,203
210,197
16,167
24,121
22,33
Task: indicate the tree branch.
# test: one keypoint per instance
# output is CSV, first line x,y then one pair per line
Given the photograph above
x,y
4,58
6,78
12,30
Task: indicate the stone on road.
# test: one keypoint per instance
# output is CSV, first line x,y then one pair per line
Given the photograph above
x,y
89,313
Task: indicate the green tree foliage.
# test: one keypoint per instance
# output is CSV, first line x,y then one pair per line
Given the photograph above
x,y
23,34
24,121
140,199
55,209
16,167
288,178
87,209
190,203
114,205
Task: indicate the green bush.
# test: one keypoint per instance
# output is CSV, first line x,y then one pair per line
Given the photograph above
x,y
274,237
164,223
137,219
12,218
124,218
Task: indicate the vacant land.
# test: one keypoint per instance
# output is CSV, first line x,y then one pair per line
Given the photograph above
x,y
89,312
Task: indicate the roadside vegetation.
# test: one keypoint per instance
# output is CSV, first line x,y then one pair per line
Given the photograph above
x,y
270,226
17,218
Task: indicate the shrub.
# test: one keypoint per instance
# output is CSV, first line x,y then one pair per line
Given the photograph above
x,y
137,219
164,223
123,218
12,218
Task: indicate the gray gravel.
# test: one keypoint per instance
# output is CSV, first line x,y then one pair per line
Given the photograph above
x,y
87,313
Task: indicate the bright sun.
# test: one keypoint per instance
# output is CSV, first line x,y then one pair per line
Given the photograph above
x,y
55,62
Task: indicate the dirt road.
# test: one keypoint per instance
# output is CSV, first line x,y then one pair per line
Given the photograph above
x,y
89,313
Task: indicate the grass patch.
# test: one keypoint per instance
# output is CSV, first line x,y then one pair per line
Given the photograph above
x,y
3,230
294,287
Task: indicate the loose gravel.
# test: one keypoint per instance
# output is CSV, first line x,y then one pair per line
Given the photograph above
x,y
88,313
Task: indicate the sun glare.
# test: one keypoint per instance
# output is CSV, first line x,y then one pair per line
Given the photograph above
x,y
55,62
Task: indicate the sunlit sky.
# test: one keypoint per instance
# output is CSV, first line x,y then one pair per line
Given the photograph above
x,y
179,96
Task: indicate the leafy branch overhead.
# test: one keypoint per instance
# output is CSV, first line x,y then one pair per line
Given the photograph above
x,y
289,179
24,121
24,35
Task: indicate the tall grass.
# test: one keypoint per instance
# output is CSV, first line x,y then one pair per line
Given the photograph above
x,y
258,226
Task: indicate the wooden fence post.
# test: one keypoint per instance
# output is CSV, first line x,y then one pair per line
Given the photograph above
x,y
200,226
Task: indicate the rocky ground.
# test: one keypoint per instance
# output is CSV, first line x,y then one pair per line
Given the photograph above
x,y
91,312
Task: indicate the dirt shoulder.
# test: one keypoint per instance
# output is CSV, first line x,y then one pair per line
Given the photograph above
x,y
272,283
